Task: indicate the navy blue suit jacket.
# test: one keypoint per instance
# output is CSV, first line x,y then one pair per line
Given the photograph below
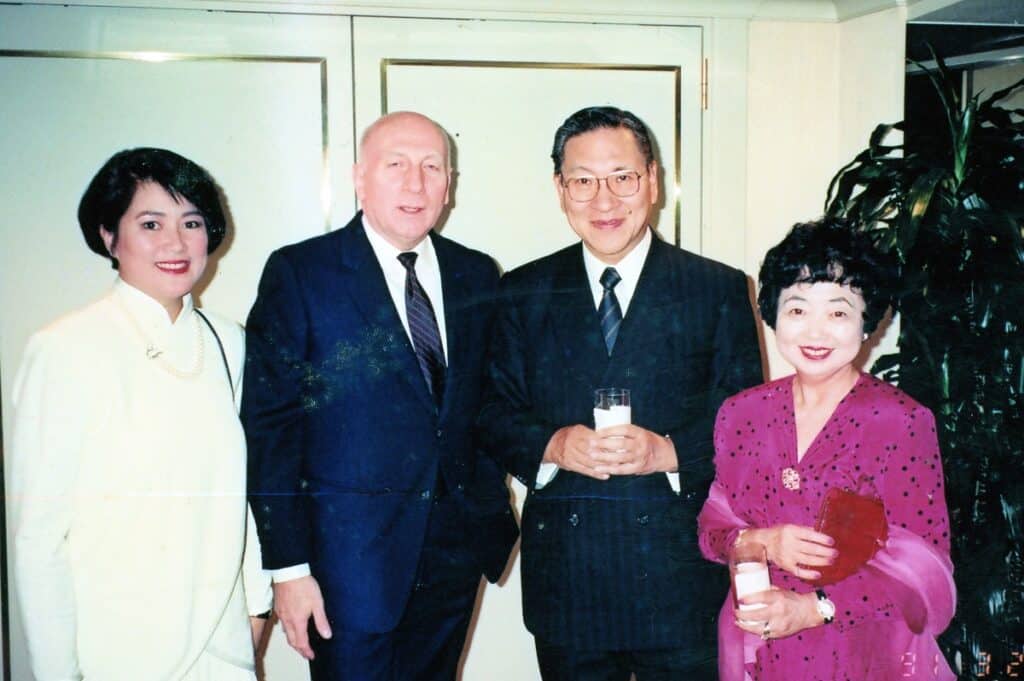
x,y
614,565
345,442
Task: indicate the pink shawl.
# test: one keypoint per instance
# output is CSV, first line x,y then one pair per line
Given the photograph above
x,y
920,582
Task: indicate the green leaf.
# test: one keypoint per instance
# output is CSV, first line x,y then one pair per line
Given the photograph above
x,y
917,201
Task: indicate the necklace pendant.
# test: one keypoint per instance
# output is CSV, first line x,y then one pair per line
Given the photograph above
x,y
153,352
790,478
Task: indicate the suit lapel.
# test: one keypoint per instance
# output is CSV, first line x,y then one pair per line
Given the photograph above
x,y
574,317
643,323
371,297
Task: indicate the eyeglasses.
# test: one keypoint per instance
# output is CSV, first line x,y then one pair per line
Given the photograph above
x,y
585,188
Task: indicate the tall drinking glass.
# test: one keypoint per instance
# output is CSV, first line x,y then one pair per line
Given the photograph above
x,y
748,567
611,408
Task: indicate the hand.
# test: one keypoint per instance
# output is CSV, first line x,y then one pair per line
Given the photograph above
x,y
795,548
782,613
632,450
572,448
295,601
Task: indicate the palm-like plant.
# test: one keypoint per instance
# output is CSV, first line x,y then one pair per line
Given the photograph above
x,y
952,209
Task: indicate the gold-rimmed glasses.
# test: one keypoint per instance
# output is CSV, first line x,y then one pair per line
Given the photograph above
x,y
585,187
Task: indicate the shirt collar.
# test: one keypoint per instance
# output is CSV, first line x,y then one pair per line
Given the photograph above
x,y
147,310
388,252
629,267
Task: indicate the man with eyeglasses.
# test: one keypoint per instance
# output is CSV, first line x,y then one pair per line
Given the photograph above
x,y
613,580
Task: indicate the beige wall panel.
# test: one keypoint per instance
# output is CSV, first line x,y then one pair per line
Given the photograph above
x,y
792,119
871,84
815,93
989,80
871,74
245,96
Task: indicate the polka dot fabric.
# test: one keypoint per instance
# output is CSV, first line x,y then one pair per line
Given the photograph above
x,y
878,440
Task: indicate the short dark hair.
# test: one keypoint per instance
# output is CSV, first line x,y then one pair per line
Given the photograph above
x,y
112,189
829,250
594,117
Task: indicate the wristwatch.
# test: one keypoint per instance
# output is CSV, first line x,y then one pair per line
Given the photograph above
x,y
826,608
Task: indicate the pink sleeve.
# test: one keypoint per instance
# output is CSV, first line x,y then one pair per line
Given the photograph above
x,y
717,524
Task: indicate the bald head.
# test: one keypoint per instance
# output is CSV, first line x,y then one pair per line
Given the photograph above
x,y
402,177
402,119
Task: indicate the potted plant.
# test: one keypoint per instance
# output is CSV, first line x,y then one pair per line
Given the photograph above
x,y
951,209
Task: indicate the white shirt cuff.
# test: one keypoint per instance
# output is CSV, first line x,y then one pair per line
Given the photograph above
x,y
673,481
545,474
289,573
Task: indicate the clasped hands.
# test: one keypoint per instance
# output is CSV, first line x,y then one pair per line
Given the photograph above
x,y
797,549
617,450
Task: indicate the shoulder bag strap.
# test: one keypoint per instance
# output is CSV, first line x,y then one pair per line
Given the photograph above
x,y
220,346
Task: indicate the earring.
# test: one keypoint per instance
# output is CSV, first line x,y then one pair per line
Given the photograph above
x,y
864,337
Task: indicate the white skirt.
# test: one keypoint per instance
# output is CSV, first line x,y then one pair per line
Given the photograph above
x,y
210,667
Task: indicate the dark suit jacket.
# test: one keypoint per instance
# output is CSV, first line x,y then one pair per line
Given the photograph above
x,y
614,564
345,443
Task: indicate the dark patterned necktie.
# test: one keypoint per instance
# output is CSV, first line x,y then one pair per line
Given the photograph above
x,y
426,339
609,310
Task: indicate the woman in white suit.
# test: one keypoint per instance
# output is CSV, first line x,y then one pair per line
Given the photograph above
x,y
134,554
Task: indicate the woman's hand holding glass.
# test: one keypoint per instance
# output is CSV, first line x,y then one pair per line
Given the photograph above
x,y
781,613
797,549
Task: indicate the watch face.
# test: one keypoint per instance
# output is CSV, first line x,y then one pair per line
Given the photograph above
x,y
826,608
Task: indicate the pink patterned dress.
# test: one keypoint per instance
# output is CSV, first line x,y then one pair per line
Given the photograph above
x,y
889,611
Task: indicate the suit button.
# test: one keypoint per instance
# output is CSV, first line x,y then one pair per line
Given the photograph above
x,y
574,519
642,519
425,494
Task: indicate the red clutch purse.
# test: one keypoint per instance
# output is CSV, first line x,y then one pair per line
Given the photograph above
x,y
857,524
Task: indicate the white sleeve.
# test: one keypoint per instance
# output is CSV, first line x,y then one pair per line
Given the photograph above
x,y
51,417
259,595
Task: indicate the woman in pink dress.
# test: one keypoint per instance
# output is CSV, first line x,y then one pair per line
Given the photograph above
x,y
781,446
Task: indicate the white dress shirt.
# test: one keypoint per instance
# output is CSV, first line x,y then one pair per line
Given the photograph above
x,y
427,271
429,274
629,268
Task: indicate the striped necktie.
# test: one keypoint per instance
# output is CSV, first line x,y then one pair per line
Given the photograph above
x,y
608,310
426,339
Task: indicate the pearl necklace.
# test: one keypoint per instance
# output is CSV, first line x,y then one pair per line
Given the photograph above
x,y
155,354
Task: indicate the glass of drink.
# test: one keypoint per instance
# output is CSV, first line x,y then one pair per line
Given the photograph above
x,y
748,567
611,408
